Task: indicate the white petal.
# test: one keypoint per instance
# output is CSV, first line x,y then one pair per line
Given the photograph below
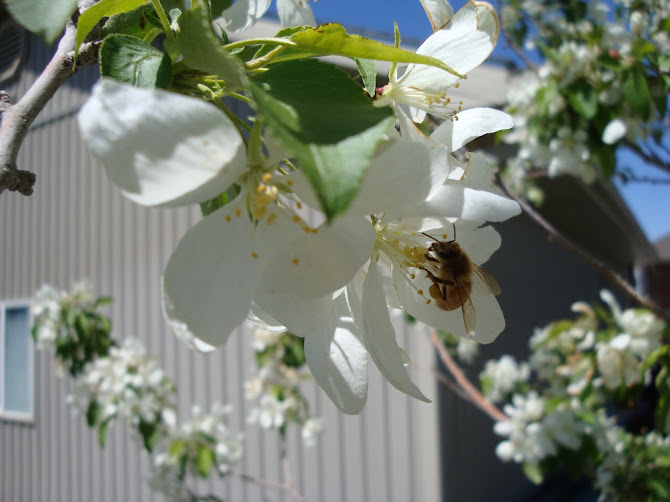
x,y
318,264
243,14
338,361
471,124
439,12
380,337
295,13
161,148
299,314
405,172
463,44
209,279
456,200
614,131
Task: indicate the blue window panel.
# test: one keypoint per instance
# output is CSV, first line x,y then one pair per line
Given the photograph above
x,y
17,379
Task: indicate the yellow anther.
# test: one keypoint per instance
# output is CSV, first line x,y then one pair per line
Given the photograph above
x,y
228,217
238,213
413,276
298,205
295,261
267,177
261,188
428,302
457,85
315,230
420,291
296,218
444,236
271,217
254,255
289,183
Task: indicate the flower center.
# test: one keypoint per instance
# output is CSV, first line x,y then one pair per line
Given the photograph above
x,y
404,253
435,103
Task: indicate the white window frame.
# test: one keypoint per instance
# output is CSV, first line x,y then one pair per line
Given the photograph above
x,y
10,415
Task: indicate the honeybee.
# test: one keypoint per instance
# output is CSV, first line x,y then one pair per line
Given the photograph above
x,y
454,276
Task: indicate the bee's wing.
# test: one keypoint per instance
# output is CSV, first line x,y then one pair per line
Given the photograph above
x,y
467,308
469,316
484,282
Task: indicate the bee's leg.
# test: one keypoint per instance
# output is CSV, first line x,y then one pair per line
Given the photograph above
x,y
430,258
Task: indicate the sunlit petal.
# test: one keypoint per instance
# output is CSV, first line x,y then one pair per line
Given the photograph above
x,y
380,338
161,148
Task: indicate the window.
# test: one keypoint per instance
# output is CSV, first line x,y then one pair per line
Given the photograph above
x,y
16,361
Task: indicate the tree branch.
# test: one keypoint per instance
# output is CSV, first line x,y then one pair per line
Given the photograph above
x,y
474,396
16,119
585,256
654,161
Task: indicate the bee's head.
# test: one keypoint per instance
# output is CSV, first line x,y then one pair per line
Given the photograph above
x,y
446,250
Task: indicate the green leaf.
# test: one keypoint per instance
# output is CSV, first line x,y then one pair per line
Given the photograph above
x,y
533,472
584,99
204,460
46,18
92,413
654,357
176,448
149,433
102,301
368,71
325,120
333,39
218,6
102,433
294,350
102,9
636,92
202,50
134,23
132,61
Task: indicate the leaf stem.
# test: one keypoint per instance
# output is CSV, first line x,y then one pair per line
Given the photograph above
x,y
164,20
264,60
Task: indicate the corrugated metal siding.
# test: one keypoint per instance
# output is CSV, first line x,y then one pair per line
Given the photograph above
x,y
76,225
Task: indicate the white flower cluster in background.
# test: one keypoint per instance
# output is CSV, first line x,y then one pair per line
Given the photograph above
x,y
501,377
533,433
128,383
187,448
580,99
122,381
594,397
275,386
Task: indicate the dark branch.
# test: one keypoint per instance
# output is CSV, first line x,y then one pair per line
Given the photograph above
x,y
650,159
585,256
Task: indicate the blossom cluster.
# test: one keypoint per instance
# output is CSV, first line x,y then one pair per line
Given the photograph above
x,y
70,324
125,382
404,214
276,386
192,449
593,398
598,83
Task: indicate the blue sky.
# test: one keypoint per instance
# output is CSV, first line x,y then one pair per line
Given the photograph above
x,y
649,203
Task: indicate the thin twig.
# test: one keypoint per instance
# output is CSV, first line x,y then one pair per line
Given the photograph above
x,y
476,397
650,159
587,257
17,118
